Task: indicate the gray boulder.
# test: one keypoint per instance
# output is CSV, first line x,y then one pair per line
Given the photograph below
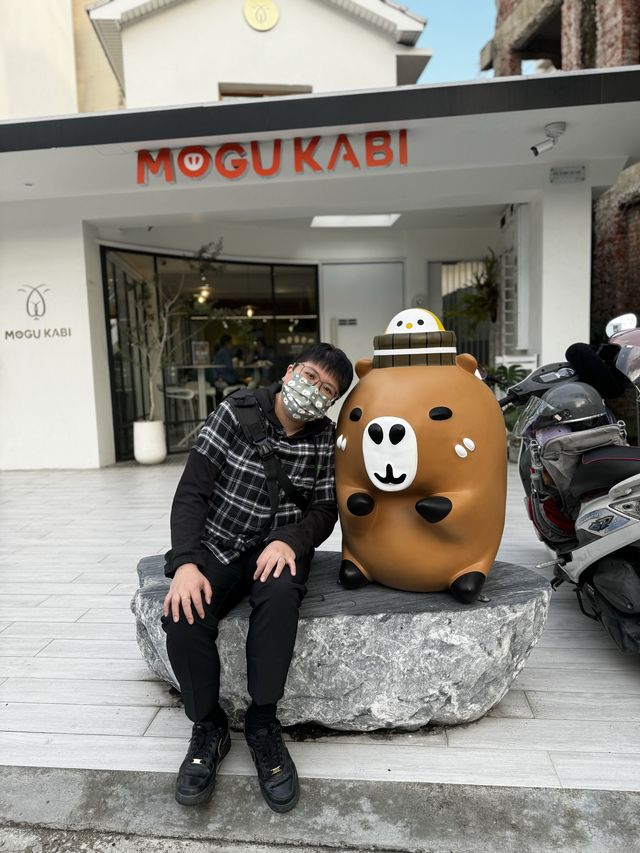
x,y
376,657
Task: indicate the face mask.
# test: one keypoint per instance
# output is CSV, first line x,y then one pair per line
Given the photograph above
x,y
303,402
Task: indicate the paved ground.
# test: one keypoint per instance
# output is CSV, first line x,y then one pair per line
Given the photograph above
x,y
75,695
62,810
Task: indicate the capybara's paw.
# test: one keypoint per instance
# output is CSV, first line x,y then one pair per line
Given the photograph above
x,y
434,509
467,587
350,575
360,503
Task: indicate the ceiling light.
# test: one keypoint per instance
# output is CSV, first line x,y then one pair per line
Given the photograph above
x,y
375,220
249,311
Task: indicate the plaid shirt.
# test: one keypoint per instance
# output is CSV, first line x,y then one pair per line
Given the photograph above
x,y
222,501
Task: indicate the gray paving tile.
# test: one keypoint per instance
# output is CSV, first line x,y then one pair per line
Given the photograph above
x,y
73,630
93,649
547,735
13,646
597,770
88,691
75,719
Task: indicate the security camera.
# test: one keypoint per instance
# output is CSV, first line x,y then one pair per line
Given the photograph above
x,y
540,147
552,132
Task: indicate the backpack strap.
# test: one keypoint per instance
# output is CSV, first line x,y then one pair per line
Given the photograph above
x,y
251,420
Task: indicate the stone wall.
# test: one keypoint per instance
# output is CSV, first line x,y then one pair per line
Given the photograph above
x,y
616,266
618,33
595,33
615,283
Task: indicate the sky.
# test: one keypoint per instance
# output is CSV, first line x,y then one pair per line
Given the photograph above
x,y
456,32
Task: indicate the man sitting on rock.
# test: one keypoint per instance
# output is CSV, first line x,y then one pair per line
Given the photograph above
x,y
256,497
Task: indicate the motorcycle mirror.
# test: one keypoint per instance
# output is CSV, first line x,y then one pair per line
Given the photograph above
x,y
482,373
621,324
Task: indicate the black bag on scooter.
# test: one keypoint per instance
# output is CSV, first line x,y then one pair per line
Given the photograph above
x,y
614,595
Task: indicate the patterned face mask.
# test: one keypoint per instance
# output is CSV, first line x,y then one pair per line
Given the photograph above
x,y
302,401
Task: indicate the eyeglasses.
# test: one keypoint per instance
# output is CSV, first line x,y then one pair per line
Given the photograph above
x,y
312,377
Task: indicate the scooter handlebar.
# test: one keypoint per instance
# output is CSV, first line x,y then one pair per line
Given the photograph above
x,y
504,401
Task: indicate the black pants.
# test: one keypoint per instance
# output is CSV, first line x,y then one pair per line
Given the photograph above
x,y
273,625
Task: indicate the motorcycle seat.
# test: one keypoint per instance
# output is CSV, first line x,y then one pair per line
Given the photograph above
x,y
603,467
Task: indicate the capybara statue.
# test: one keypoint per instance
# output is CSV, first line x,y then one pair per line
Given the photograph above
x,y
421,465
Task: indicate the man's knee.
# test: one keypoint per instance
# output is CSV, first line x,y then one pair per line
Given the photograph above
x,y
281,593
183,632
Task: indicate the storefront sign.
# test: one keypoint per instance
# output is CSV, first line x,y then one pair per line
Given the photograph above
x,y
36,308
234,160
35,334
262,15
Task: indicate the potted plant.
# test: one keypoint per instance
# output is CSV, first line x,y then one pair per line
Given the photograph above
x,y
157,309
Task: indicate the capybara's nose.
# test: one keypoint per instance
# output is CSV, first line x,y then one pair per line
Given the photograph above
x,y
396,433
375,433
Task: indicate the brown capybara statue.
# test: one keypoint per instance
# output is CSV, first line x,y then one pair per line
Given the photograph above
x,y
421,465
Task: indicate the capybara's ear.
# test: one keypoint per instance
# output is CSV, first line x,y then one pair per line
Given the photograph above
x,y
363,366
467,362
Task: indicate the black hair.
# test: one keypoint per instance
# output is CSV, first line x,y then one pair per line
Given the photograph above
x,y
333,360
224,340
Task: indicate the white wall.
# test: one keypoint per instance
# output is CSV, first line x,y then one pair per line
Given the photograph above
x,y
561,269
180,54
49,417
37,64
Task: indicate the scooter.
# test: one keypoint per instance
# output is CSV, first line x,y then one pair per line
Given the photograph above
x,y
582,479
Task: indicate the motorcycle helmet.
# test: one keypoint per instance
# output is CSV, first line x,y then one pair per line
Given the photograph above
x,y
573,404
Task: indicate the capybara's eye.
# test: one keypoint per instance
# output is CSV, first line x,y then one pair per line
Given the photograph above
x,y
396,433
375,433
421,322
355,414
440,413
399,323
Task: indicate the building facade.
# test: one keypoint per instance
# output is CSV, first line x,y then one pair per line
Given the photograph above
x,y
73,56
581,34
88,200
221,50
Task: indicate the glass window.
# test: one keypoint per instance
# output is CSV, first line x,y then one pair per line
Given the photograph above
x,y
265,315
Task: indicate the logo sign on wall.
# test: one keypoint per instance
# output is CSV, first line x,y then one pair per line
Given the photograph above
x,y
36,307
262,15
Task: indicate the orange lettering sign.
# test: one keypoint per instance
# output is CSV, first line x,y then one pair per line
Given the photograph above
x,y
237,165
162,162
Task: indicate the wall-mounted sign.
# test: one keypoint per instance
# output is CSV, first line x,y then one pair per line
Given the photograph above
x,y
36,308
262,15
36,305
567,174
266,159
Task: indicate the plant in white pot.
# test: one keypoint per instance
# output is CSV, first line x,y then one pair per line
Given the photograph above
x,y
158,308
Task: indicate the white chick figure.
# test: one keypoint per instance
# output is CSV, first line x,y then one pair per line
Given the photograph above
x,y
414,320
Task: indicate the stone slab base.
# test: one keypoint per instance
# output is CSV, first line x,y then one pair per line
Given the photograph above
x,y
375,657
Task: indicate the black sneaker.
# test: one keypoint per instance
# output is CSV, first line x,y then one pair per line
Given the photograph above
x,y
197,775
276,771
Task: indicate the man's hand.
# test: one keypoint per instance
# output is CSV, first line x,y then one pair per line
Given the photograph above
x,y
186,588
274,558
